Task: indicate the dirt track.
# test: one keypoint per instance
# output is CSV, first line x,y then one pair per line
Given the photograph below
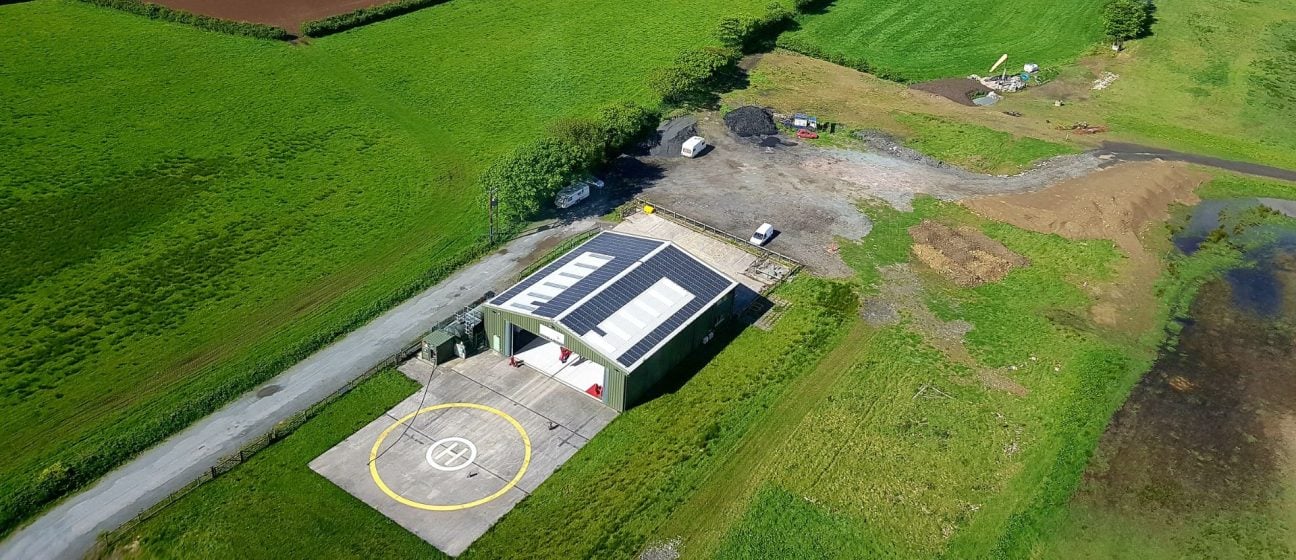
x,y
287,14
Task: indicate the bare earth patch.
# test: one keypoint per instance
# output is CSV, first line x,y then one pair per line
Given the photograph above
x,y
958,90
965,256
1117,204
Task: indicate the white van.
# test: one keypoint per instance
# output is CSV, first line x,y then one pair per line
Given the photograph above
x,y
762,235
693,147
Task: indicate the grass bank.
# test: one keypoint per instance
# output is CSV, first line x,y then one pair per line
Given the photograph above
x,y
969,137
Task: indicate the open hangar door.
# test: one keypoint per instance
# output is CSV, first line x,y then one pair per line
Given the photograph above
x,y
543,354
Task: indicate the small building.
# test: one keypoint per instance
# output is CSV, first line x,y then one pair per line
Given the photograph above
x,y
611,317
802,120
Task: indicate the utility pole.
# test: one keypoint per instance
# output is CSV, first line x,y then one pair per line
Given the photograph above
x,y
491,211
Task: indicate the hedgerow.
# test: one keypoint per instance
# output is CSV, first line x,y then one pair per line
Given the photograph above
x,y
343,22
155,11
529,177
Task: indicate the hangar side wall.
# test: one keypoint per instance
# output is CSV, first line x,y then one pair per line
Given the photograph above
x,y
640,383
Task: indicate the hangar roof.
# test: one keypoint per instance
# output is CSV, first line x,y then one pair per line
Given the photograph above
x,y
622,295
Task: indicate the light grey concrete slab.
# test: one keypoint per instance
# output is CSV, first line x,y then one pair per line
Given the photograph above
x,y
471,458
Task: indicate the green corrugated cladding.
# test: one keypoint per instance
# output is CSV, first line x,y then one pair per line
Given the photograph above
x,y
620,391
442,343
657,366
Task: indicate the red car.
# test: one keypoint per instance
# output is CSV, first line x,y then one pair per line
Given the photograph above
x,y
808,134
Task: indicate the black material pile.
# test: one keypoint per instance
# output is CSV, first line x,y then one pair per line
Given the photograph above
x,y
751,121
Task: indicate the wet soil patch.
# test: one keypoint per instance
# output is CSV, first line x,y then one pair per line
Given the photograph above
x,y
958,90
1211,426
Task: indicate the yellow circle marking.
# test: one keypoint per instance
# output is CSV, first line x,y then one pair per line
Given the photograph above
x,y
373,458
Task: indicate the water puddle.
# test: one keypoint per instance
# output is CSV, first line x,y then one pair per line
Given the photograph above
x,y
1256,287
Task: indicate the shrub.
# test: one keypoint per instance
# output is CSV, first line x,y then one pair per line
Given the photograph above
x,y
343,22
694,74
1124,20
526,180
154,11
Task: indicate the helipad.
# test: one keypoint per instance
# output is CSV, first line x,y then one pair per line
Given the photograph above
x,y
484,437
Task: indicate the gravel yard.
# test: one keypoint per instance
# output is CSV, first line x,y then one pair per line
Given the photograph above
x,y
810,194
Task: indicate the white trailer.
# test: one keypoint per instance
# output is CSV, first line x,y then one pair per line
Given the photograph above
x,y
574,193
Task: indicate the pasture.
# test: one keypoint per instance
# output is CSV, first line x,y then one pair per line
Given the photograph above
x,y
275,489
186,217
916,41
1215,77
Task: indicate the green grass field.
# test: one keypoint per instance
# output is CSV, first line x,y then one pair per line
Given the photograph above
x,y
184,217
916,41
975,147
1215,77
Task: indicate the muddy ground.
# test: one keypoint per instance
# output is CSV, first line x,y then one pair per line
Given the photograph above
x,y
958,90
285,14
1211,430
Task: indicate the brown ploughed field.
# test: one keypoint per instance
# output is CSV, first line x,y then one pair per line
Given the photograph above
x,y
288,14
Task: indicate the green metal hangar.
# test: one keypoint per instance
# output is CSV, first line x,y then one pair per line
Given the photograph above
x,y
612,316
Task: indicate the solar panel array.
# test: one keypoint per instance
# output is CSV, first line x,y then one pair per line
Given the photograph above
x,y
703,282
625,250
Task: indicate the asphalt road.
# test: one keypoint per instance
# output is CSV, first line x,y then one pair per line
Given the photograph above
x,y
1135,152
69,529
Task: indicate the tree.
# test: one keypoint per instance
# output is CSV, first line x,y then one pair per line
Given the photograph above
x,y
625,123
1124,20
